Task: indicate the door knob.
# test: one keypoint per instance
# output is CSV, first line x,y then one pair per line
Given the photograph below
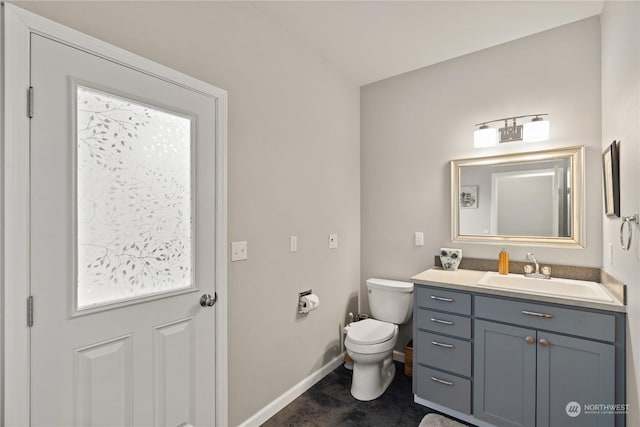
x,y
530,339
206,300
544,342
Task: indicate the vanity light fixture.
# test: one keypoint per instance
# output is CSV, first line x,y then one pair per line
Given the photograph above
x,y
535,130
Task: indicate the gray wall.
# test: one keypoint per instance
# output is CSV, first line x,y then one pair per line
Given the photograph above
x,y
413,124
620,121
293,170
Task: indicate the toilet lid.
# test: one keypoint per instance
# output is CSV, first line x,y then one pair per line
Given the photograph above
x,y
370,331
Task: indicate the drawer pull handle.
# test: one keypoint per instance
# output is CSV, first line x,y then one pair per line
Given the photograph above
x,y
536,314
438,380
439,344
444,322
441,298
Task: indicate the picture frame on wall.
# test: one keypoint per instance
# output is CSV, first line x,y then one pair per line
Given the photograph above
x,y
469,196
611,181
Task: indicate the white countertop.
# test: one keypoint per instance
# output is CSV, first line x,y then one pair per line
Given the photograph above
x,y
467,280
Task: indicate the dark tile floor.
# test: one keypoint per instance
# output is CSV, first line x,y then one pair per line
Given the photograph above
x,y
329,403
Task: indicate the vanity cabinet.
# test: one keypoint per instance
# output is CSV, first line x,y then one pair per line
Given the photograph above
x,y
516,362
528,362
522,375
505,374
442,347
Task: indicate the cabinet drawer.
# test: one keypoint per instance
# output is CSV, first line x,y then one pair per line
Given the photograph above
x,y
440,299
445,389
449,354
558,319
444,323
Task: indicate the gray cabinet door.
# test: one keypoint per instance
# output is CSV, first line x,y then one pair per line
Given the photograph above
x,y
504,380
574,372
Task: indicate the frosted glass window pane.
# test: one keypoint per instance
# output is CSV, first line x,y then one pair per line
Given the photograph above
x,y
133,200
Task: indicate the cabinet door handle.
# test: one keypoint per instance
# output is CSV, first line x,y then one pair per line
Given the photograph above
x,y
444,322
438,380
441,298
530,339
439,344
544,342
536,314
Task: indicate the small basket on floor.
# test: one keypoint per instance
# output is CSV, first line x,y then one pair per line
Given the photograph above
x,y
408,359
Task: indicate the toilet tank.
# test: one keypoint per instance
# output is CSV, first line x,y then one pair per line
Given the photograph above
x,y
390,300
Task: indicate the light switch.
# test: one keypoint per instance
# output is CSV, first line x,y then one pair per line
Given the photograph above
x,y
333,241
238,251
419,238
293,243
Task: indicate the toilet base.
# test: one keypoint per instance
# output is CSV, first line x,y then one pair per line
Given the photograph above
x,y
370,380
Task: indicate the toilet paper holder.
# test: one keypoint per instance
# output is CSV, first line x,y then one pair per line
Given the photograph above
x,y
302,303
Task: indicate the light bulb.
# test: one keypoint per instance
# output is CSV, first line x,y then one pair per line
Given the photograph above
x,y
536,130
485,137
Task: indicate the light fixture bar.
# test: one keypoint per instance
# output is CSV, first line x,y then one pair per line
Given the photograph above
x,y
510,118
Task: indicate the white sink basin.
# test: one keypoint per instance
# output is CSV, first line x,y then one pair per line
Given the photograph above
x,y
567,288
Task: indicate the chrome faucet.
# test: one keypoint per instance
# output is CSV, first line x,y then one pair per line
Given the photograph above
x,y
546,271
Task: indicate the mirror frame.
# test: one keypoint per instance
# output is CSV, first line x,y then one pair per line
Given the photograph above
x,y
578,207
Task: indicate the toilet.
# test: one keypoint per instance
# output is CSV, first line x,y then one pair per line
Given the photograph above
x,y
370,342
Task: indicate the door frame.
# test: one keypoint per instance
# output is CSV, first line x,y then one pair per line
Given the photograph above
x,y
19,24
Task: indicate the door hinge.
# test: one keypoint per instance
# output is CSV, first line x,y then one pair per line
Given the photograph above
x,y
30,101
30,311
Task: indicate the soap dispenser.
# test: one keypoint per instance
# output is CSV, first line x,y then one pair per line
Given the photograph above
x,y
503,262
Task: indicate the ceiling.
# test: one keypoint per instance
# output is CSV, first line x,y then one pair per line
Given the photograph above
x,y
372,40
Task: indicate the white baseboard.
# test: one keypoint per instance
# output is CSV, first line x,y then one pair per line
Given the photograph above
x,y
398,357
290,395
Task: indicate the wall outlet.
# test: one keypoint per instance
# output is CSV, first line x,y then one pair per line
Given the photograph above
x,y
239,251
293,243
333,241
419,238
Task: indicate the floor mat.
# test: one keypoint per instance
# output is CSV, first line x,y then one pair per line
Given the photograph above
x,y
436,420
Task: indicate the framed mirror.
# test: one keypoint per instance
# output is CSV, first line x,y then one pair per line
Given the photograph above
x,y
533,198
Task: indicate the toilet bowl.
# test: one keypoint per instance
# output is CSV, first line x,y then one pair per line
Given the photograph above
x,y
370,342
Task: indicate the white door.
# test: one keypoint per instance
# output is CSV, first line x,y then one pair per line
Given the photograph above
x,y
122,240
